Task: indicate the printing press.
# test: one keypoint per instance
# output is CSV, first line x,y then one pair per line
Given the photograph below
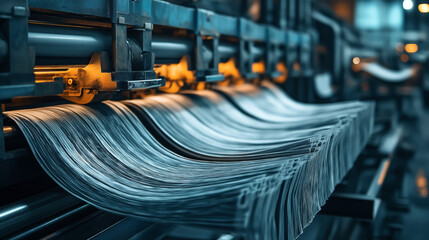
x,y
211,119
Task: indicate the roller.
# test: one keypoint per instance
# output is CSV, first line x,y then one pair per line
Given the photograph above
x,y
60,42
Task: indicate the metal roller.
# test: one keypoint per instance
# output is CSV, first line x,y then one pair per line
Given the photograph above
x,y
27,212
60,42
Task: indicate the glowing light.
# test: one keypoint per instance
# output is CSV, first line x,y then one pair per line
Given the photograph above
x,y
226,237
407,4
177,71
411,47
424,8
296,67
422,183
258,67
175,74
8,130
12,210
281,67
356,60
228,69
405,58
383,172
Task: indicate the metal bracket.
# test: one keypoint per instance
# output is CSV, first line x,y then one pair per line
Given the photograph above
x,y
305,56
206,57
132,57
273,53
365,205
138,80
352,205
16,75
245,56
292,52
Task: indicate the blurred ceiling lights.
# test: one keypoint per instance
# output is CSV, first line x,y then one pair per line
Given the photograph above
x,y
411,48
356,60
407,4
424,8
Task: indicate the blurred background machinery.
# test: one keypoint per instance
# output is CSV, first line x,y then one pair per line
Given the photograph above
x,y
52,52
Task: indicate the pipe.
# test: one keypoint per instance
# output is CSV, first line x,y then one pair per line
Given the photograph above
x,y
60,42
73,213
29,211
170,47
53,41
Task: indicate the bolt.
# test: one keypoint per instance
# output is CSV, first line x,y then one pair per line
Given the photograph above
x,y
148,26
70,81
19,11
121,20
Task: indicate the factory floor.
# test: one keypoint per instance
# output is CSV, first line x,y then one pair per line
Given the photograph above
x,y
415,185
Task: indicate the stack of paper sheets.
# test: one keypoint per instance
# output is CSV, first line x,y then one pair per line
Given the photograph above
x,y
245,158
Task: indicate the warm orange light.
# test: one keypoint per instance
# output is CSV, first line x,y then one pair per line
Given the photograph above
x,y
175,74
200,86
258,67
356,60
424,8
296,67
78,89
228,69
356,68
422,183
383,172
254,10
281,67
404,58
411,48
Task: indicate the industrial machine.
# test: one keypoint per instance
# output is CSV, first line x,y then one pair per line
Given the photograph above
x,y
54,52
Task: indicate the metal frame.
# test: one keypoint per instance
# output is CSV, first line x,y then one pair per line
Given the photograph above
x,y
16,72
272,38
366,205
207,26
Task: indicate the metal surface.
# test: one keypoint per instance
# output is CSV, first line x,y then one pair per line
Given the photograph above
x,y
54,41
131,45
16,71
140,84
3,49
57,42
366,205
351,205
25,213
54,222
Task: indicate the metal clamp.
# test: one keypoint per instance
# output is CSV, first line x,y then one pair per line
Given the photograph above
x,y
132,56
206,58
245,56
